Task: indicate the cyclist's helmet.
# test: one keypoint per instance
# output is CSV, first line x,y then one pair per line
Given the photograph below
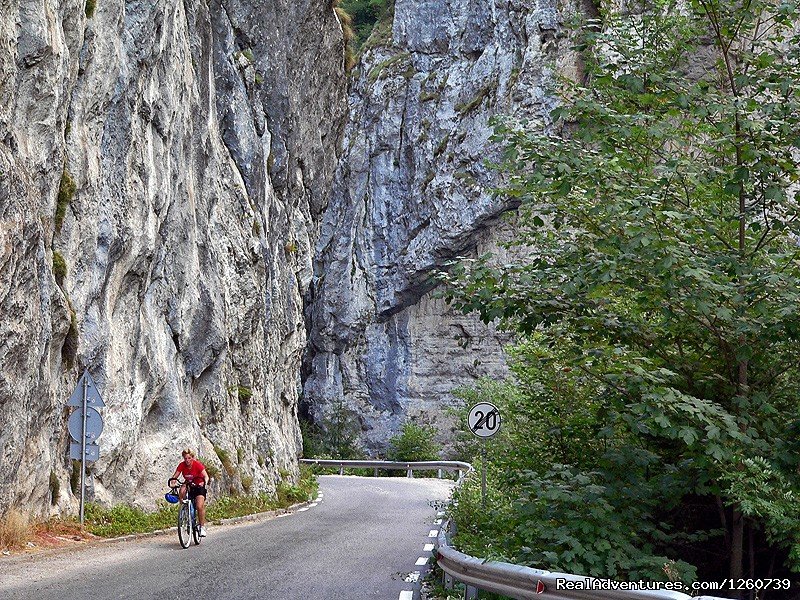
x,y
171,498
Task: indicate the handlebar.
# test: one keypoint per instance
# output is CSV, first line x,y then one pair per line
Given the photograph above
x,y
179,482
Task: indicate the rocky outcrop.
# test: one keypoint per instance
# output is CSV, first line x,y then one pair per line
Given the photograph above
x,y
413,190
162,170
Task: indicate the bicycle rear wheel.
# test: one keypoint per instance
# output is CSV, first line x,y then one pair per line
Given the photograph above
x,y
195,525
184,526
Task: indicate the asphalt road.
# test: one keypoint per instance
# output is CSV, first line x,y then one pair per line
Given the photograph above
x,y
360,542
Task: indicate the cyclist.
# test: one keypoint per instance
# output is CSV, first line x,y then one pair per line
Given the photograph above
x,y
196,477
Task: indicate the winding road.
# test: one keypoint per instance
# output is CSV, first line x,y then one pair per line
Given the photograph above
x,y
364,539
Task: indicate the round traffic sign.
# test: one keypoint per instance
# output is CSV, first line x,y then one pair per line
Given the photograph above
x,y
484,419
94,424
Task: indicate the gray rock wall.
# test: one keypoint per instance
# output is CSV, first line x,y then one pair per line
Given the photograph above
x,y
413,191
201,138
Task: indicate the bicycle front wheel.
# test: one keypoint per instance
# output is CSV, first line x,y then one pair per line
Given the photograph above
x,y
195,526
184,526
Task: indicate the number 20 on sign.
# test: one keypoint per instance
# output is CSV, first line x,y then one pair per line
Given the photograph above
x,y
484,419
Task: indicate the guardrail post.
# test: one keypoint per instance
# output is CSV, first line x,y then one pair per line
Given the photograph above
x,y
459,473
341,470
470,593
410,473
447,581
376,471
440,473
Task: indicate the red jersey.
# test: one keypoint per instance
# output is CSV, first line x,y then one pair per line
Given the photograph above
x,y
193,474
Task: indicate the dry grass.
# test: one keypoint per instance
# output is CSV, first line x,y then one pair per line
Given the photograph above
x,y
20,534
15,530
349,36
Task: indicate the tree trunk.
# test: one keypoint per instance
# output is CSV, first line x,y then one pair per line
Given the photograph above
x,y
752,556
737,547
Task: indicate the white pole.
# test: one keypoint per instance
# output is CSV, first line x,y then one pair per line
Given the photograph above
x,y
483,478
83,445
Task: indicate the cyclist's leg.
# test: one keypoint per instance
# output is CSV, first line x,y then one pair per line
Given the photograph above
x,y
200,501
182,492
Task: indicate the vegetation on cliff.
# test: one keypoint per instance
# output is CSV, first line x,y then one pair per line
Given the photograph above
x,y
365,14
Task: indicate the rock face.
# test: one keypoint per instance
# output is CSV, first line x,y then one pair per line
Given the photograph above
x,y
192,145
413,191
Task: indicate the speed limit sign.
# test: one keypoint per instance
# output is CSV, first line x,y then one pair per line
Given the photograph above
x,y
484,419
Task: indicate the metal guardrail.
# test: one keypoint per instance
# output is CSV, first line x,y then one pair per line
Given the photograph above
x,y
526,583
463,468
514,581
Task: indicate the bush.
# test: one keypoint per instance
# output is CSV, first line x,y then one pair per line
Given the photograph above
x,y
91,5
305,488
414,443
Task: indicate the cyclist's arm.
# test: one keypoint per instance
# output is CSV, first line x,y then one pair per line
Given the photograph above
x,y
204,475
175,476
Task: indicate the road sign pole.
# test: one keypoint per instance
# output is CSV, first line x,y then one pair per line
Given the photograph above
x,y
85,422
83,449
483,474
484,421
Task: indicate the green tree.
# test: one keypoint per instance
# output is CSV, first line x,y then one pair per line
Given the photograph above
x,y
335,435
413,443
569,489
660,218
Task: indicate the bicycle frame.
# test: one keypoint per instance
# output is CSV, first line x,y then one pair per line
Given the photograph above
x,y
188,527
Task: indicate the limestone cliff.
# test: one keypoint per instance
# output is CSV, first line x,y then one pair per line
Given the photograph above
x,y
413,191
162,169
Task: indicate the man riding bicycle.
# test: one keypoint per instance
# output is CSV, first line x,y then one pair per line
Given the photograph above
x,y
195,477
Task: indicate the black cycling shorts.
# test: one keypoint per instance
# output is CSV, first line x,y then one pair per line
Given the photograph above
x,y
194,492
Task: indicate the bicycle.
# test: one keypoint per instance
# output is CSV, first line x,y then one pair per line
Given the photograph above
x,y
188,527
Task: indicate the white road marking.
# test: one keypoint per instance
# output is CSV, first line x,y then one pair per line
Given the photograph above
x,y
406,595
412,577
313,505
422,560
433,533
428,548
440,513
437,522
302,509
